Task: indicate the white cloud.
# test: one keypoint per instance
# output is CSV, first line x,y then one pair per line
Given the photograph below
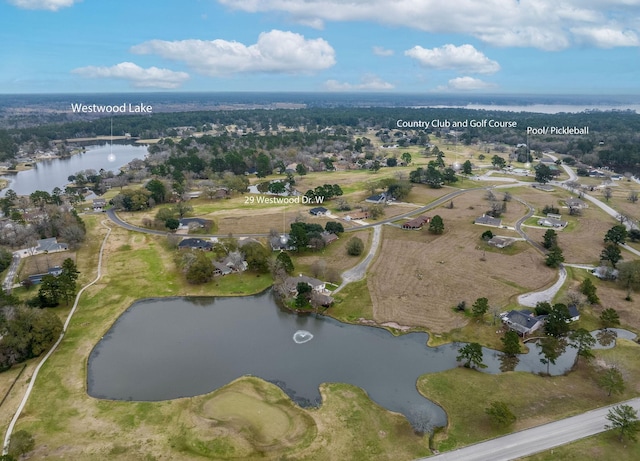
x,y
368,83
139,77
604,37
544,24
275,51
465,84
51,5
464,58
380,51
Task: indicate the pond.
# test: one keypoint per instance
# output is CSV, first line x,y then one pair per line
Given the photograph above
x,y
49,174
168,348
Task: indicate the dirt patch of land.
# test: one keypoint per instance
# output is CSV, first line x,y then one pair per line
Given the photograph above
x,y
418,277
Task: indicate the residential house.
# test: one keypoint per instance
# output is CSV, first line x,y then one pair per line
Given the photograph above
x,y
50,245
356,216
416,223
193,223
574,313
576,203
317,286
605,273
500,242
37,278
486,220
99,204
318,211
379,198
195,244
220,269
328,237
523,322
281,243
552,222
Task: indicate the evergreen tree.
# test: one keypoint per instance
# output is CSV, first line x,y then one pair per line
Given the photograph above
x,y
624,419
609,318
550,239
588,289
480,307
511,343
436,226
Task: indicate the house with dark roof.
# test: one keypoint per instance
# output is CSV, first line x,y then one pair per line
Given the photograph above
x,y
318,211
50,245
486,220
574,313
523,322
195,244
416,223
193,223
379,198
37,278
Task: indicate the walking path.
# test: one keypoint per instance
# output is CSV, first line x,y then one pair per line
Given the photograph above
x,y
32,380
536,439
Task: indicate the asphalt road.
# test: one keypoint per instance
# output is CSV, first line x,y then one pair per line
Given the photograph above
x,y
534,440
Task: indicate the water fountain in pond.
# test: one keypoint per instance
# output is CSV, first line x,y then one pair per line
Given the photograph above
x,y
302,336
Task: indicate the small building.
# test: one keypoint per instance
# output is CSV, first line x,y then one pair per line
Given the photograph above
x,y
195,244
486,220
574,313
318,211
523,322
416,223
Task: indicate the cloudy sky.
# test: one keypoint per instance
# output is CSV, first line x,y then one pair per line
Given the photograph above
x,y
404,46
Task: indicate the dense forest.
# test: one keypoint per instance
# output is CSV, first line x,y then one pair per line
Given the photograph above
x,y
612,140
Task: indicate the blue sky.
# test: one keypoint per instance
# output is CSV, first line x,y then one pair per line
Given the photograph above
x,y
404,46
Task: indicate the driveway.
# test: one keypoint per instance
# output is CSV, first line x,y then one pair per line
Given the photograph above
x,y
359,271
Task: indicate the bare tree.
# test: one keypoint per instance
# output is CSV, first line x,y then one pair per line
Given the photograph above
x,y
607,193
633,196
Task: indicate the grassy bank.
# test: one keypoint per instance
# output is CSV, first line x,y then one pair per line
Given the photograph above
x,y
534,399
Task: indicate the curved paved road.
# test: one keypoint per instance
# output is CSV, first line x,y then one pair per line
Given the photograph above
x,y
536,439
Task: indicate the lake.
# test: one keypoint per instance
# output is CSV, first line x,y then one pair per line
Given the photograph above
x,y
162,349
49,174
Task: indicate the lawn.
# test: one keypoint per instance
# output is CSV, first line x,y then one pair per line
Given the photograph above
x,y
247,420
535,400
